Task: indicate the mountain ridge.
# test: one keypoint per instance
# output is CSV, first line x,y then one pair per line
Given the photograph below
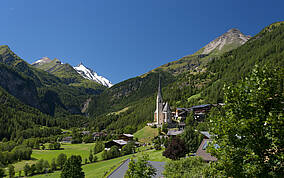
x,y
89,74
197,61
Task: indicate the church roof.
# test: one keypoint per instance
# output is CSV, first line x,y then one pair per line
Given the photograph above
x,y
166,107
159,95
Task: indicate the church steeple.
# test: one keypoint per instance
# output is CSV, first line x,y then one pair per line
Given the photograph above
x,y
159,95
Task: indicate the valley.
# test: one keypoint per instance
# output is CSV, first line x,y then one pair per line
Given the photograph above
x,y
222,98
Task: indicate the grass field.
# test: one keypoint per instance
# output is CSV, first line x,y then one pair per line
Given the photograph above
x,y
98,169
69,149
94,170
146,134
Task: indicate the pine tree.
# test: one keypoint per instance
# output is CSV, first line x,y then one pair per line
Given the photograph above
x,y
11,169
72,168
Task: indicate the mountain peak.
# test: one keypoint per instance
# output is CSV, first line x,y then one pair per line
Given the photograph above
x,y
81,63
91,75
42,60
233,30
231,39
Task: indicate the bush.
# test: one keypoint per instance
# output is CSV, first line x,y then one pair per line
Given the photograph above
x,y
185,167
176,149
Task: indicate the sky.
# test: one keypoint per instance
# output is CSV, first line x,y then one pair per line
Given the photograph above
x,y
121,39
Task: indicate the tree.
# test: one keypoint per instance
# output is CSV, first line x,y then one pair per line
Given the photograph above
x,y
20,173
165,128
51,146
2,172
72,168
11,170
61,159
53,165
99,146
76,137
157,146
176,149
39,166
95,159
140,168
249,128
57,146
191,139
27,169
36,144
185,167
32,169
104,155
113,152
46,166
88,138
129,148
91,156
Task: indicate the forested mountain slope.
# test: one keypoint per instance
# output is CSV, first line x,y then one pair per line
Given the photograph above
x,y
187,88
48,93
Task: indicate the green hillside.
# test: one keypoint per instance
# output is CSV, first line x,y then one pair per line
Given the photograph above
x,y
189,87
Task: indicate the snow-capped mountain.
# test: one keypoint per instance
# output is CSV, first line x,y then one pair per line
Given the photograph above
x,y
91,75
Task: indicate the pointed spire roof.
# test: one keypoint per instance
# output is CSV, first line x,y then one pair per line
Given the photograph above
x,y
159,88
166,108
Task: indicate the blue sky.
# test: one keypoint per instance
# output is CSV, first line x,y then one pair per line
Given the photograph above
x,y
121,39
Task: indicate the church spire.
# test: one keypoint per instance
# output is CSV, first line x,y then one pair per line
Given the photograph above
x,y
159,95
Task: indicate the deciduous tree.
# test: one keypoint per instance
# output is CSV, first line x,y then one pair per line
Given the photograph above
x,y
61,159
176,149
140,168
250,130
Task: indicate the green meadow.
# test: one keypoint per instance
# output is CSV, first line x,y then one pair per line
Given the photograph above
x,y
146,134
69,149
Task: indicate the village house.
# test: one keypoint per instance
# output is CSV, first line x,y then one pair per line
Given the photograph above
x,y
67,139
202,148
123,139
126,137
98,135
118,143
174,133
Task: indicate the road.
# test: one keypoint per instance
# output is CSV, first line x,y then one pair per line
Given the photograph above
x,y
120,171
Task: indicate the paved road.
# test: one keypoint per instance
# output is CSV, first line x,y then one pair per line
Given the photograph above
x,y
120,171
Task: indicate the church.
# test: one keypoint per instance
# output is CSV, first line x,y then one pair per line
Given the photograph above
x,y
163,112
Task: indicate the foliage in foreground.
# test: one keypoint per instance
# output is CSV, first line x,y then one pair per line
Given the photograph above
x,y
250,129
140,168
176,149
185,167
72,168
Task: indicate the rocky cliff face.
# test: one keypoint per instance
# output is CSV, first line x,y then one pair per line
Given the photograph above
x,y
18,86
226,42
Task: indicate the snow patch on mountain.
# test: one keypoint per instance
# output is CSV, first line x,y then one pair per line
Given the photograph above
x,y
91,75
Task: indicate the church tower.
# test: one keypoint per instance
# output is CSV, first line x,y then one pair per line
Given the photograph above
x,y
158,115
